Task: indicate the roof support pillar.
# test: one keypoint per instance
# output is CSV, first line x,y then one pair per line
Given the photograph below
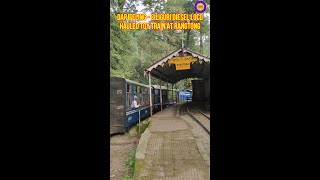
x,y
150,94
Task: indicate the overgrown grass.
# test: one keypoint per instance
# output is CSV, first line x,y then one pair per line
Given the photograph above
x,y
142,127
130,164
126,178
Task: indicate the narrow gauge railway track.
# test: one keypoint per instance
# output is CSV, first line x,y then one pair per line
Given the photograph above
x,y
202,119
196,108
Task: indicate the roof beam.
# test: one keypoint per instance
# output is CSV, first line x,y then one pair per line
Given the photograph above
x,y
158,77
180,77
157,69
202,68
198,75
165,69
162,74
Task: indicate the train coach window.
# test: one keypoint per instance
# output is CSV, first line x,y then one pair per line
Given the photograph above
x,y
145,96
128,96
140,95
143,99
136,93
143,92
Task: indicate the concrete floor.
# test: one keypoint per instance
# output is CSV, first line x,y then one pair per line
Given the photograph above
x,y
168,150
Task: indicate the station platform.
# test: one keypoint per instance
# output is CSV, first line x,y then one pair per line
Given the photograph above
x,y
167,150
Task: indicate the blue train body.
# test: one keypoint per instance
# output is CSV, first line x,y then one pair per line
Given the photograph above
x,y
132,116
185,95
122,92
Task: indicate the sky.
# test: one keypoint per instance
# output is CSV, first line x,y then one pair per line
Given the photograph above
x,y
140,7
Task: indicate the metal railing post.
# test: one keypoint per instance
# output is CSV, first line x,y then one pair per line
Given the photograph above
x,y
150,94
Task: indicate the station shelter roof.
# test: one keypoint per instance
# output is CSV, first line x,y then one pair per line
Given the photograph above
x,y
168,73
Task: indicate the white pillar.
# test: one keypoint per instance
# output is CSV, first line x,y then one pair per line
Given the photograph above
x,y
150,93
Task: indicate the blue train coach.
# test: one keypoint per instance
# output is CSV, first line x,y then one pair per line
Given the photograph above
x,y
185,95
122,92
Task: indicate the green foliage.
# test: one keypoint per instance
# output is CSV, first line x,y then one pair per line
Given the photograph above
x,y
132,51
127,178
130,162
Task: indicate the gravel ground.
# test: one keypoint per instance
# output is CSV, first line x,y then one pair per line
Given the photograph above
x,y
120,147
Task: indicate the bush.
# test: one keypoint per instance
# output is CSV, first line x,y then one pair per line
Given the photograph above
x,y
130,163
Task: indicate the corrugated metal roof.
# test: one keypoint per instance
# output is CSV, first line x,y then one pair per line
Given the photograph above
x,y
161,69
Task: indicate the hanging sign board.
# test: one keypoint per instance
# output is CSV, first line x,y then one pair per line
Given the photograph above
x,y
182,63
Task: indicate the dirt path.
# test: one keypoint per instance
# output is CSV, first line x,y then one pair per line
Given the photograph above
x,y
120,147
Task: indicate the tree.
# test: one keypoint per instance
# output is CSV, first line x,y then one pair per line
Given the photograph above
x,y
132,51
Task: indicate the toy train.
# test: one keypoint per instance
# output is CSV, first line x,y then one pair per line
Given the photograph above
x,y
185,95
122,92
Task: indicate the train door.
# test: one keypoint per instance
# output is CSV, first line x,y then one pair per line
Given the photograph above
x,y
117,105
152,99
153,94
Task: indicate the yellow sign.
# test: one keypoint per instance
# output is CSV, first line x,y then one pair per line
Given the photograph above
x,y
182,66
182,63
